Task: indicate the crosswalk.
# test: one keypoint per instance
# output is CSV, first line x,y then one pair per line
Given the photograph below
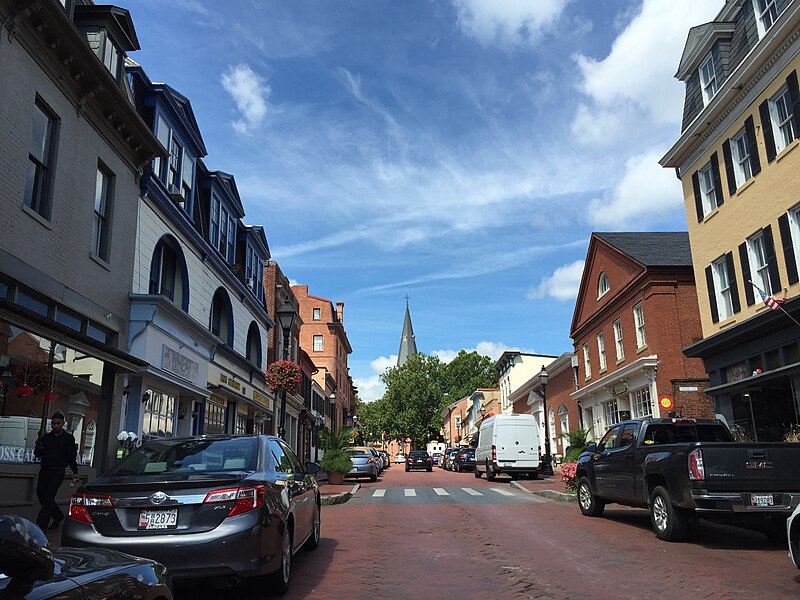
x,y
438,495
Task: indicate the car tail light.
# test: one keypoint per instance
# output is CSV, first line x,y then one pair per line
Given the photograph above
x,y
244,499
371,460
79,503
494,453
697,471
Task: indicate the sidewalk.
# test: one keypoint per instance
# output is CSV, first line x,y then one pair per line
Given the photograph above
x,y
337,494
551,488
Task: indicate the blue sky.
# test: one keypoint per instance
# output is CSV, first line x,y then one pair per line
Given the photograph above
x,y
457,151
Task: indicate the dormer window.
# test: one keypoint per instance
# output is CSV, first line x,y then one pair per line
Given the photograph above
x,y
708,79
176,171
109,32
254,273
222,229
602,285
766,15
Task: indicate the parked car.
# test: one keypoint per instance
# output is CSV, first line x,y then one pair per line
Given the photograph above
x,y
28,568
464,460
508,444
793,533
366,462
436,457
682,468
399,458
449,458
419,459
218,508
385,458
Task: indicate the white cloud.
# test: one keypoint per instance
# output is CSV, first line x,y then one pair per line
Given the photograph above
x,y
491,349
507,23
562,284
646,193
250,92
371,388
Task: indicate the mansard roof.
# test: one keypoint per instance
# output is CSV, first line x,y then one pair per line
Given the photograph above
x,y
699,43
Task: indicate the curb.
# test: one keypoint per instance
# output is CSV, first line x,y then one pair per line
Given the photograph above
x,y
339,498
549,494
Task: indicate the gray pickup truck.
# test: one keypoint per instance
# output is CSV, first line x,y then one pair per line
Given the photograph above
x,y
682,469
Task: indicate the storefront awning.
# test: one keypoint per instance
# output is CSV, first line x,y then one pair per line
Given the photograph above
x,y
741,385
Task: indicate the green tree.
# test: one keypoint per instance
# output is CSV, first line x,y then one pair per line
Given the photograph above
x,y
372,417
467,372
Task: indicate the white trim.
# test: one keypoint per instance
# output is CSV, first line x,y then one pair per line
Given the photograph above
x,y
642,364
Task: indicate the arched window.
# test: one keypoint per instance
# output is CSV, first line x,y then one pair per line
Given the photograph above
x,y
168,274
563,417
552,424
602,285
254,344
222,317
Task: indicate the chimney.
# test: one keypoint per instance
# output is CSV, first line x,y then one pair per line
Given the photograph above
x,y
340,311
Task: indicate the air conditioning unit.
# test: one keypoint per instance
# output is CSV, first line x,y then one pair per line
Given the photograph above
x,y
177,194
249,282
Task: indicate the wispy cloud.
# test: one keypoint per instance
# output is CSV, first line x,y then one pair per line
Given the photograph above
x,y
250,93
507,23
562,284
491,349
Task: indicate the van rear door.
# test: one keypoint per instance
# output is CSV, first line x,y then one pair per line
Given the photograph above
x,y
518,444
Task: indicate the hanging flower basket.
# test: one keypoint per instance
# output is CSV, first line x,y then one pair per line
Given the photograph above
x,y
31,377
283,375
23,390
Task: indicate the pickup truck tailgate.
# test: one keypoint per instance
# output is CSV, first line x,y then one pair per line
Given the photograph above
x,y
751,467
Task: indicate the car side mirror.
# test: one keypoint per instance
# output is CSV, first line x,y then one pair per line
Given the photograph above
x,y
591,447
312,468
25,555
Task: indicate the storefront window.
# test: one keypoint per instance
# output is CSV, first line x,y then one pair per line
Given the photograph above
x,y
159,416
610,413
642,406
241,423
215,416
37,378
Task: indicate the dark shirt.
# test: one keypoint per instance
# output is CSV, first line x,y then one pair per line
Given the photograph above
x,y
57,451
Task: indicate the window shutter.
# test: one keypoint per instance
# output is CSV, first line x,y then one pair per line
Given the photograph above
x,y
712,296
698,200
717,179
737,305
772,260
726,155
752,145
788,249
748,287
794,94
766,128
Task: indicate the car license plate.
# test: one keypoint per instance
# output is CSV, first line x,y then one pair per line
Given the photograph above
x,y
761,500
158,519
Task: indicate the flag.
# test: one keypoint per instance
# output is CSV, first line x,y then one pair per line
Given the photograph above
x,y
769,300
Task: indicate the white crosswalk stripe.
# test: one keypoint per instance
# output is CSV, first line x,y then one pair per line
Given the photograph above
x,y
472,492
379,493
441,492
411,492
503,492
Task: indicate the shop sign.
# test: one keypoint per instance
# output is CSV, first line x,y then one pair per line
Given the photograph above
x,y
17,454
619,388
175,362
736,372
230,382
260,398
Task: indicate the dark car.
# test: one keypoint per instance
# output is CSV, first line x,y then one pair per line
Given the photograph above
x,y
464,460
30,570
419,459
449,460
218,508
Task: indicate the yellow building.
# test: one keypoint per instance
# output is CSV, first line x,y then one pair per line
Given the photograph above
x,y
739,166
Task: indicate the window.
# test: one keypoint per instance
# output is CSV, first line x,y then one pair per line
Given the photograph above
x,y
241,423
610,413
708,79
766,13
222,229
317,343
316,314
722,288
222,317
563,418
222,243
253,351
213,230
782,117
742,167
759,264
228,253
628,436
254,272
168,275
39,179
642,405
175,163
587,366
102,211
163,133
638,321
159,416
111,57
602,285
618,340
601,350
214,421
794,228
708,192
609,440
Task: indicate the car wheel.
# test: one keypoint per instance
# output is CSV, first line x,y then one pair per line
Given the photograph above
x,y
669,522
430,469
373,477
282,577
490,474
312,543
590,505
407,469
477,473
533,475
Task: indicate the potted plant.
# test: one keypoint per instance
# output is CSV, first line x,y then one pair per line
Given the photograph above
x,y
336,462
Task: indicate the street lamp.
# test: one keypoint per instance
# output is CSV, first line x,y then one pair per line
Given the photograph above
x,y
547,466
286,316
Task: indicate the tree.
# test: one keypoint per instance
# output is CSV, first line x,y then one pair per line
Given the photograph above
x,y
372,417
467,372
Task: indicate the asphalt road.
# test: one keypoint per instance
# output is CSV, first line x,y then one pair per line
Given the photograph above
x,y
432,546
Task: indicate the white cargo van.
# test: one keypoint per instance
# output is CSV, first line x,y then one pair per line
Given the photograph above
x,y
508,444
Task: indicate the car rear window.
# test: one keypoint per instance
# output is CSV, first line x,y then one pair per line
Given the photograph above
x,y
419,454
358,453
676,433
198,455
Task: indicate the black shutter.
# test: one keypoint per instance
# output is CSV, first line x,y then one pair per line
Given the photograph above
x,y
712,297
772,261
698,200
748,287
766,129
752,145
717,179
788,249
737,305
794,94
726,155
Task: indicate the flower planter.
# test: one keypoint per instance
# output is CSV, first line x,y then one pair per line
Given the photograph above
x,y
336,478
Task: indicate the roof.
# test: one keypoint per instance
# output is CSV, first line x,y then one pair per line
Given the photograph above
x,y
408,344
652,249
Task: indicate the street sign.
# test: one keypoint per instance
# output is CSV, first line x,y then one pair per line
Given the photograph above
x,y
665,402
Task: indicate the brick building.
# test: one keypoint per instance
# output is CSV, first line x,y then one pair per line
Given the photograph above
x,y
635,312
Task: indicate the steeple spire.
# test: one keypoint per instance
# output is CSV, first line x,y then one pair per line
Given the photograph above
x,y
408,344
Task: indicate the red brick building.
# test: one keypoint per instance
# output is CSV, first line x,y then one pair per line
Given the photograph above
x,y
635,312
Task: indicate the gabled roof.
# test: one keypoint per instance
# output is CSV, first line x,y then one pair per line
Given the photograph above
x,y
652,248
698,44
116,18
227,183
257,231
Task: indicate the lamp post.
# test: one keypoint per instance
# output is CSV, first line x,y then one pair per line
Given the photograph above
x,y
547,465
286,316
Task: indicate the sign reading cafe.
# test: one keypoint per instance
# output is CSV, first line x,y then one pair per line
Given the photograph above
x,y
175,362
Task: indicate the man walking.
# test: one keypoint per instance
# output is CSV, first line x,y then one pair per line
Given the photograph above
x,y
58,451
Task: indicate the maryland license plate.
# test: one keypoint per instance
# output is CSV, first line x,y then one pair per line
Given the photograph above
x,y
762,500
158,519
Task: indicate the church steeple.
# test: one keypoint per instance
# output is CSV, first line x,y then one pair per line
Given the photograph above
x,y
408,344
